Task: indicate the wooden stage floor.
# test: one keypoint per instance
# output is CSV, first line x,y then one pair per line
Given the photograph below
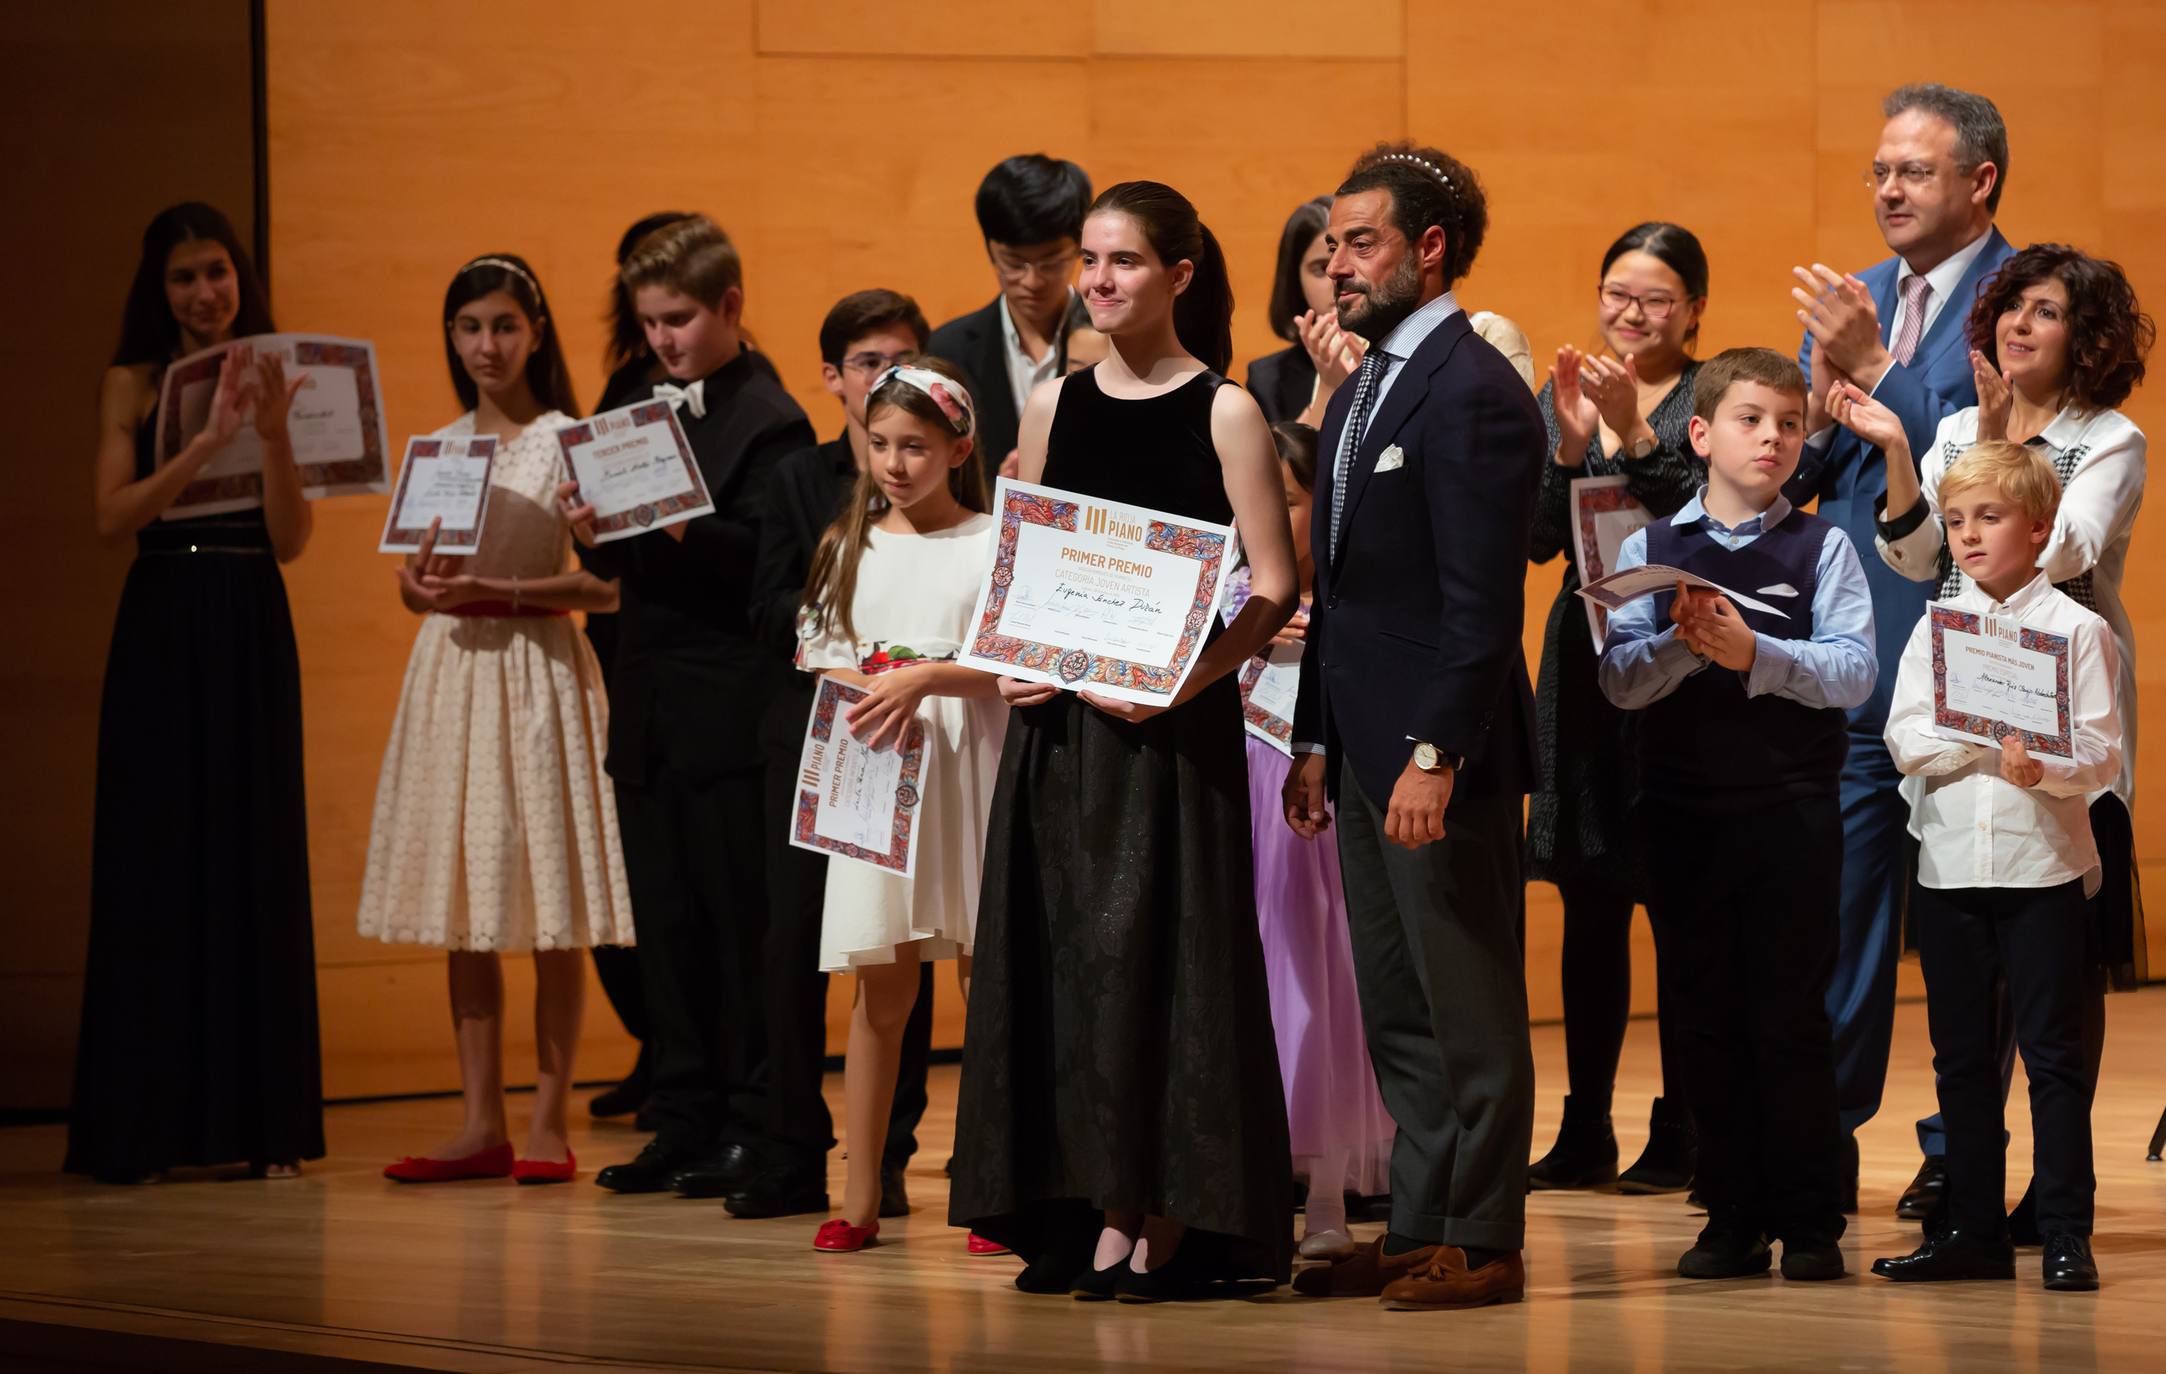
x,y
342,1270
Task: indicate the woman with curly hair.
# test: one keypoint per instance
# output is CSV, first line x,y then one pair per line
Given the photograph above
x,y
2057,342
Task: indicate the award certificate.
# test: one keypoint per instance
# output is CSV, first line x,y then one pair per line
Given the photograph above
x,y
443,479
1095,595
1604,511
1270,683
854,802
1651,579
635,468
1992,677
337,423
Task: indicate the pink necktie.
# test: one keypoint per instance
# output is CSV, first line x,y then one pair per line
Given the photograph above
x,y
1915,290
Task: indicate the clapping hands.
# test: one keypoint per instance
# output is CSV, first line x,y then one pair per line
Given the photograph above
x,y
1334,352
1996,397
1712,628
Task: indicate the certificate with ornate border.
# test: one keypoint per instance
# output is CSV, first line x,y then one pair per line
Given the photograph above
x,y
1095,595
443,478
1270,684
1993,677
853,802
1604,511
635,467
340,443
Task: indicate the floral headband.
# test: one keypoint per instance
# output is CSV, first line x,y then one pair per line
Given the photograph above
x,y
946,393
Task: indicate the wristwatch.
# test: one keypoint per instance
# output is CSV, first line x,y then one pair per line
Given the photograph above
x,y
1640,448
1429,759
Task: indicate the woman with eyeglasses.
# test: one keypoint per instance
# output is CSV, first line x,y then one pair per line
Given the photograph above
x,y
1620,411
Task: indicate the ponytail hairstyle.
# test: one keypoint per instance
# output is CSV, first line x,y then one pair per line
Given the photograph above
x,y
148,331
946,406
1203,312
546,375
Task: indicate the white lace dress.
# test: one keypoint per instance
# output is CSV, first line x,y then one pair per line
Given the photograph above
x,y
494,827
914,597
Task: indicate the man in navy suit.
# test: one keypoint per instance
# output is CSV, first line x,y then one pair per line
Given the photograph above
x,y
1897,331
1415,715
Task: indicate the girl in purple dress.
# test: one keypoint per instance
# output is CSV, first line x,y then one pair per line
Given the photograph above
x,y
1340,1131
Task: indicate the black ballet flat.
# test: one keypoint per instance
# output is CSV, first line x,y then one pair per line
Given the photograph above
x,y
1180,1279
1056,1271
1099,1285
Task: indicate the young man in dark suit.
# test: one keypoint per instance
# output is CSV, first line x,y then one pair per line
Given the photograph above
x,y
1896,332
1030,210
1415,715
865,334
688,690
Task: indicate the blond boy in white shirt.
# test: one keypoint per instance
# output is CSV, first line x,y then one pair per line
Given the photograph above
x,y
2006,863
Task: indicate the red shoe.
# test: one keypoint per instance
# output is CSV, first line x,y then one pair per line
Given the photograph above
x,y
979,1245
494,1162
545,1171
840,1235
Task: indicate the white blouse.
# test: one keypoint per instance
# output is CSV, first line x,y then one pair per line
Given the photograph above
x,y
1974,827
2100,457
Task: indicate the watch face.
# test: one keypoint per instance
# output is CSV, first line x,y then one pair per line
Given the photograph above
x,y
1425,757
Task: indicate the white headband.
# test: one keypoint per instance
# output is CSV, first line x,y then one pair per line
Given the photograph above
x,y
1423,163
947,393
509,266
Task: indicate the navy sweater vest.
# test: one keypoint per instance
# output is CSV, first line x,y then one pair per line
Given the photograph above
x,y
1708,744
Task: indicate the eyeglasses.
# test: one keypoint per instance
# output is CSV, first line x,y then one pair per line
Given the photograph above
x,y
871,364
1915,176
1654,306
1016,271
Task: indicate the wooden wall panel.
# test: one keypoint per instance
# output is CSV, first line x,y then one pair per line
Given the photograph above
x,y
839,142
111,112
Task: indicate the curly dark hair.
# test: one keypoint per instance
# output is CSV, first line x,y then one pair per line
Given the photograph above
x,y
2108,333
1427,186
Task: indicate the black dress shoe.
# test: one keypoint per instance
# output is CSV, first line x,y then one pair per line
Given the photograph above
x,y
1813,1262
718,1174
1951,1256
1585,1155
780,1192
1925,1191
623,1100
2023,1222
650,1171
1725,1255
894,1192
2069,1267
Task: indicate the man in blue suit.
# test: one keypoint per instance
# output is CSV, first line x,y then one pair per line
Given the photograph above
x,y
1899,332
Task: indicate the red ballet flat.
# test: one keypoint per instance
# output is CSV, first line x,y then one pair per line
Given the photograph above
x,y
979,1245
544,1170
494,1162
840,1236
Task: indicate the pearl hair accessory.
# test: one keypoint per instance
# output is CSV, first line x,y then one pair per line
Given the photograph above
x,y
1420,162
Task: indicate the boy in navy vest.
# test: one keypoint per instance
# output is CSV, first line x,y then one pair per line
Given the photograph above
x,y
1741,740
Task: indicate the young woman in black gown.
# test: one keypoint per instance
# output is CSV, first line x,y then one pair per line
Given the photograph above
x,y
198,1042
1121,1124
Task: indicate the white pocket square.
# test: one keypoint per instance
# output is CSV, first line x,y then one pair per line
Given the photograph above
x,y
1391,460
1779,589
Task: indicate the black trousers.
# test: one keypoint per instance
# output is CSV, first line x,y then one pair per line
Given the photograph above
x,y
798,1126
1442,976
1597,987
695,861
1972,942
624,985
1743,902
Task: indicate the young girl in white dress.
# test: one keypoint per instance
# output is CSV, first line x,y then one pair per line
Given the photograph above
x,y
888,607
495,831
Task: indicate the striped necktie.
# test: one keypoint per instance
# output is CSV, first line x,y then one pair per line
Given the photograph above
x,y
1916,289
1357,420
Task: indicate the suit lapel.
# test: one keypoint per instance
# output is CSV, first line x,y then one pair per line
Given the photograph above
x,y
1954,319
1408,390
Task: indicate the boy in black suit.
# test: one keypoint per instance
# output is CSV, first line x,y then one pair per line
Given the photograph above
x,y
1030,210
688,690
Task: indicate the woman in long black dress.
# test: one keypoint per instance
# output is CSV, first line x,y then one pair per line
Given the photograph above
x,y
198,1041
1621,414
1121,1124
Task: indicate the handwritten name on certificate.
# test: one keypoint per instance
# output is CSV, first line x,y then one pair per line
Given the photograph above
x,y
854,802
1604,511
1096,595
336,423
443,479
1993,677
1270,684
636,469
